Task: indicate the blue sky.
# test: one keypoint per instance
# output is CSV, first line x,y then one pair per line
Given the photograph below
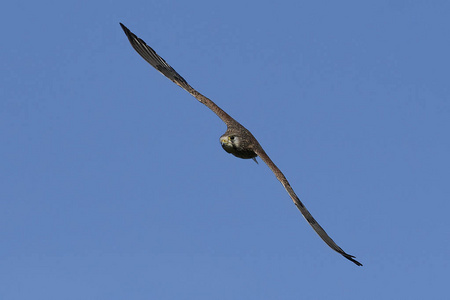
x,y
113,183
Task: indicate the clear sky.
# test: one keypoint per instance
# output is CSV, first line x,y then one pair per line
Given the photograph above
x,y
113,183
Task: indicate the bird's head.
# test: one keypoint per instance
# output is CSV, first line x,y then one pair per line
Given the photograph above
x,y
229,142
237,143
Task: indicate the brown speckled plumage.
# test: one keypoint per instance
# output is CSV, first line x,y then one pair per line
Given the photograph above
x,y
237,140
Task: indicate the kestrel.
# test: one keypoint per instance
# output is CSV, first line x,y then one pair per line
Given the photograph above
x,y
236,140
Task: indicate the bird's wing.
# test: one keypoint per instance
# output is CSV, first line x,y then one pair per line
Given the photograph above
x,y
317,228
164,68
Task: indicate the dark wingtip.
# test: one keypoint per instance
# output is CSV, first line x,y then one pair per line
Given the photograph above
x,y
129,34
124,27
350,258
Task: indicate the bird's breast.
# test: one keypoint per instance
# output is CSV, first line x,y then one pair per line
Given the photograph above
x,y
241,153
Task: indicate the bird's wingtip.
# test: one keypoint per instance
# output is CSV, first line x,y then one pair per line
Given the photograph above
x,y
351,258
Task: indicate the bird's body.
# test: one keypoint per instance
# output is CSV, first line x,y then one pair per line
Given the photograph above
x,y
236,140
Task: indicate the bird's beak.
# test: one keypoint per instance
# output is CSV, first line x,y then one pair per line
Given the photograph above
x,y
224,140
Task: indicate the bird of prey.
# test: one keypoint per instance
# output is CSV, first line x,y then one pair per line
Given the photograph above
x,y
236,140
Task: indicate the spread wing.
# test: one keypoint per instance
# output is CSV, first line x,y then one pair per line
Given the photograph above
x,y
317,228
164,68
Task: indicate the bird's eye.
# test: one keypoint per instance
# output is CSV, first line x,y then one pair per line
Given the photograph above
x,y
231,137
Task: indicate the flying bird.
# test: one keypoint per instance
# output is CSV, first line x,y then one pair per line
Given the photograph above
x,y
236,140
